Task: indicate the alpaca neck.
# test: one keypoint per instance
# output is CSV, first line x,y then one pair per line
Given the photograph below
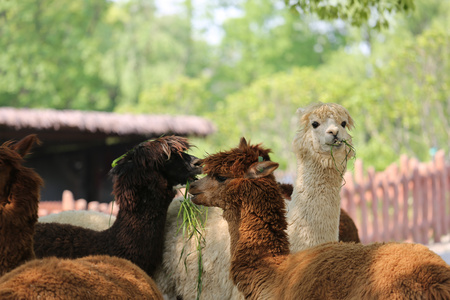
x,y
149,210
18,216
258,243
314,209
142,226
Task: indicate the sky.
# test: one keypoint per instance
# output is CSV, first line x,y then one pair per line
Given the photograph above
x,y
212,32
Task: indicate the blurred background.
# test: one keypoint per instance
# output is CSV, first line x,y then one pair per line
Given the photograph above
x,y
243,65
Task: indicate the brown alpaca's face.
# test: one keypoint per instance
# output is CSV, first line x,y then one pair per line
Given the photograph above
x,y
226,173
211,191
227,193
11,158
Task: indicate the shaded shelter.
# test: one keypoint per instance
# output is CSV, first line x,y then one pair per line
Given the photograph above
x,y
78,146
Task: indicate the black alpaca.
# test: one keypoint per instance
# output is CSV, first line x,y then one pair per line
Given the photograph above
x,y
144,180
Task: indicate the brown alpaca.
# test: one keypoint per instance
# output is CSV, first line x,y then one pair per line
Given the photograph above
x,y
144,181
92,277
19,200
240,181
348,232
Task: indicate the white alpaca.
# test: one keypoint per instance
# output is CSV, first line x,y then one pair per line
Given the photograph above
x,y
320,146
85,218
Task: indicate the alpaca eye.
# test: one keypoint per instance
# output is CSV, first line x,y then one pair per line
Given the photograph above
x,y
343,124
221,178
315,124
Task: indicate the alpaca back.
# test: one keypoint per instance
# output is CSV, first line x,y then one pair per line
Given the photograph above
x,y
85,218
355,271
93,277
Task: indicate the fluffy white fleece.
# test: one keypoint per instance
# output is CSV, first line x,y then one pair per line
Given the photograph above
x,y
314,212
84,218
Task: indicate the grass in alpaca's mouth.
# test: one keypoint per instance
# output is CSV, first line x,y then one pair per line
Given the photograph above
x,y
338,143
192,225
351,149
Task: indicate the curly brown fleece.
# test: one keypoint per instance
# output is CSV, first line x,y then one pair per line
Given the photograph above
x,y
92,277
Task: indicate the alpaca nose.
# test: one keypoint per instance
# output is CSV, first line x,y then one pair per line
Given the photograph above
x,y
196,161
334,130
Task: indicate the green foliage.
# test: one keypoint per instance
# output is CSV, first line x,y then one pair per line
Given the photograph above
x,y
184,96
49,54
265,40
145,50
357,12
123,56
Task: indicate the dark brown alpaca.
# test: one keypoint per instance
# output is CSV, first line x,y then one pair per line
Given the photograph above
x,y
144,181
240,181
348,232
19,200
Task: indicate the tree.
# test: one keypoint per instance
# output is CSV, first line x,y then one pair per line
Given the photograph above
x,y
145,50
413,87
265,39
49,55
357,12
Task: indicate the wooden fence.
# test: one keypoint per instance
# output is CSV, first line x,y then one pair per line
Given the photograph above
x,y
69,203
408,201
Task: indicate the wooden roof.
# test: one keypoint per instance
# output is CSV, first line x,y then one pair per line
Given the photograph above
x,y
82,126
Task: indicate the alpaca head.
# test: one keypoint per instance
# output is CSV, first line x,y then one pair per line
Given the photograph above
x,y
11,159
153,165
232,177
323,134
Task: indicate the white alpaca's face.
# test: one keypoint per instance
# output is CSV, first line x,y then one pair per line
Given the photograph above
x,y
325,132
328,132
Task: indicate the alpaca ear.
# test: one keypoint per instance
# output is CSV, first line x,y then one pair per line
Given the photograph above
x,y
243,143
261,169
351,123
24,145
300,111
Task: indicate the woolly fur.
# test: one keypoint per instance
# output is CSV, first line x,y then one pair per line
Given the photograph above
x,y
85,218
178,274
92,277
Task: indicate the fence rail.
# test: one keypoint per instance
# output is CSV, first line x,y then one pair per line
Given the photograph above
x,y
408,201
69,203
